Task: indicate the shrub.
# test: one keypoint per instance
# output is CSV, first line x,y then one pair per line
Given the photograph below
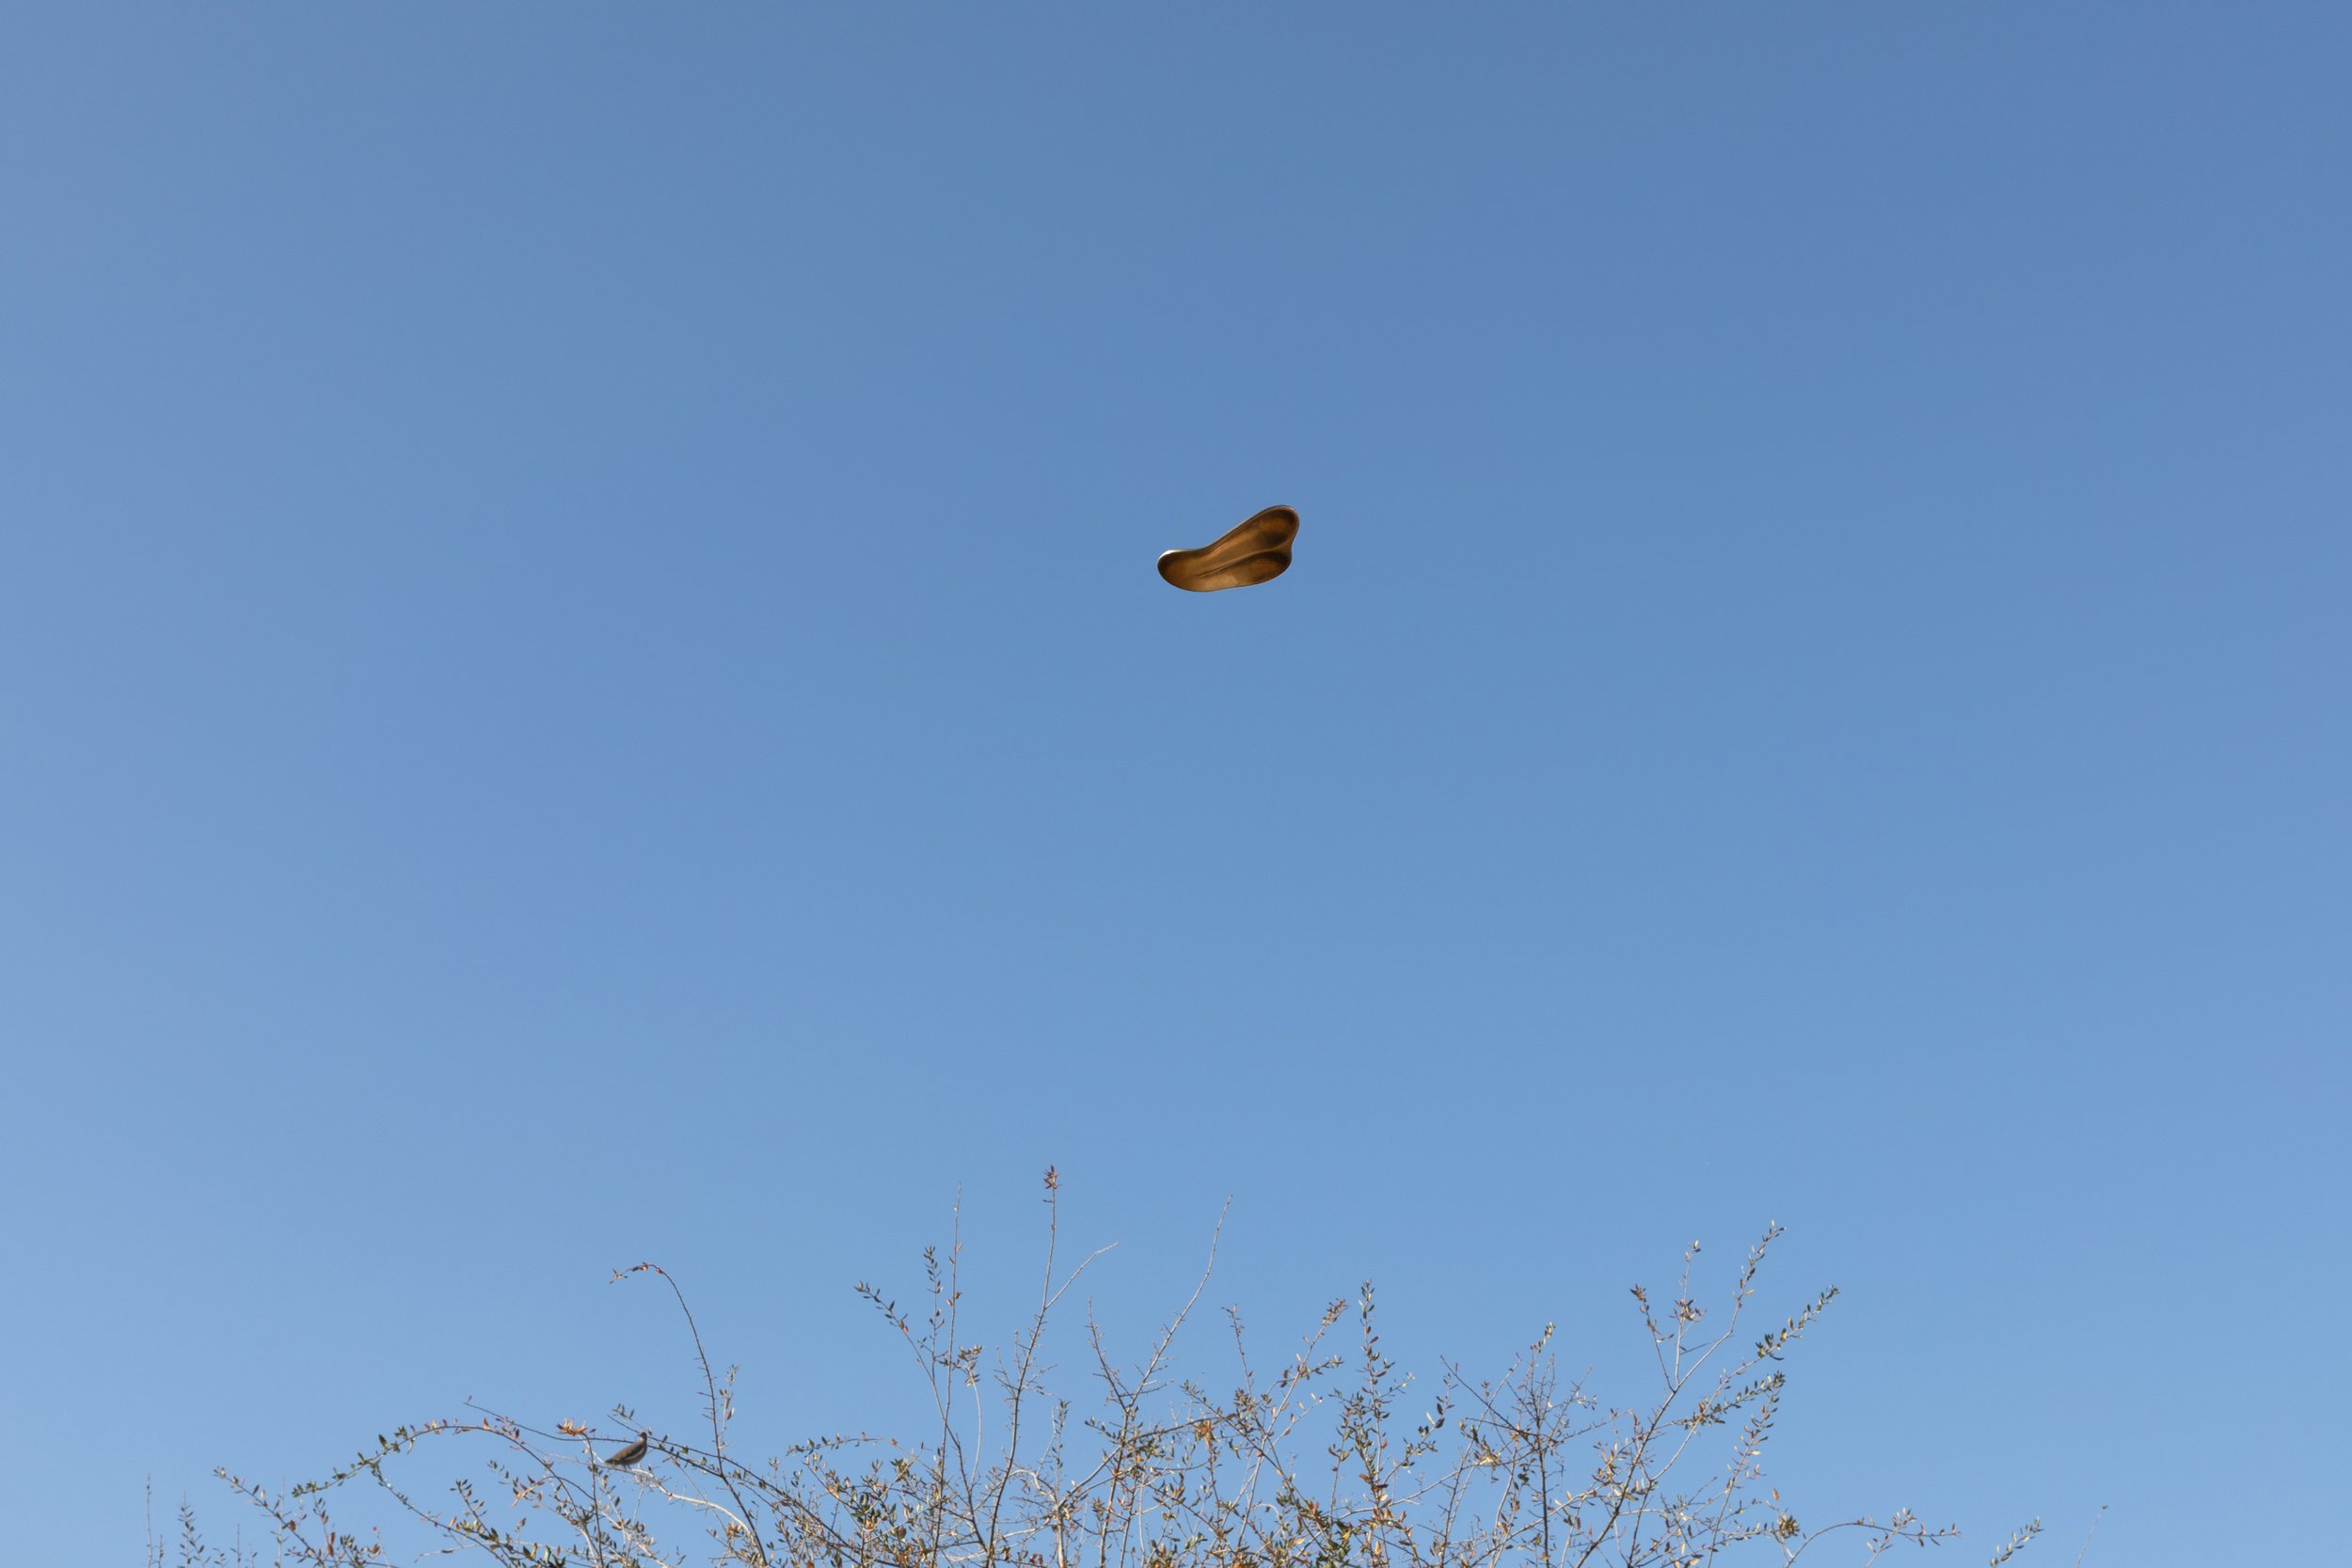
x,y
1319,1463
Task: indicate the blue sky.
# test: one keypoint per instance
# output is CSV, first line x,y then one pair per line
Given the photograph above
x,y
581,680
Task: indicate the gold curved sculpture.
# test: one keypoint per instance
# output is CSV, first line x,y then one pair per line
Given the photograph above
x,y
1257,551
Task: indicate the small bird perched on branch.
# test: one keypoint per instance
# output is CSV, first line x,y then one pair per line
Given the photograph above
x,y
621,1459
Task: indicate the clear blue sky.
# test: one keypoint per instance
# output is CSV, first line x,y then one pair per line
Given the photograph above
x,y
581,680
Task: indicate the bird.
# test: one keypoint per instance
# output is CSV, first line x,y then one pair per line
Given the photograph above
x,y
621,1459
1256,551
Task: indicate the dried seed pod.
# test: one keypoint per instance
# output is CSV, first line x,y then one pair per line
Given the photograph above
x,y
1257,551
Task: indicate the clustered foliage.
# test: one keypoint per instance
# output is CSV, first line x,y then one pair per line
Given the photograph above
x,y
1316,1463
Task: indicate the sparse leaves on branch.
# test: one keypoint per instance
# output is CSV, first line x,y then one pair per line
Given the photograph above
x,y
1317,1462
